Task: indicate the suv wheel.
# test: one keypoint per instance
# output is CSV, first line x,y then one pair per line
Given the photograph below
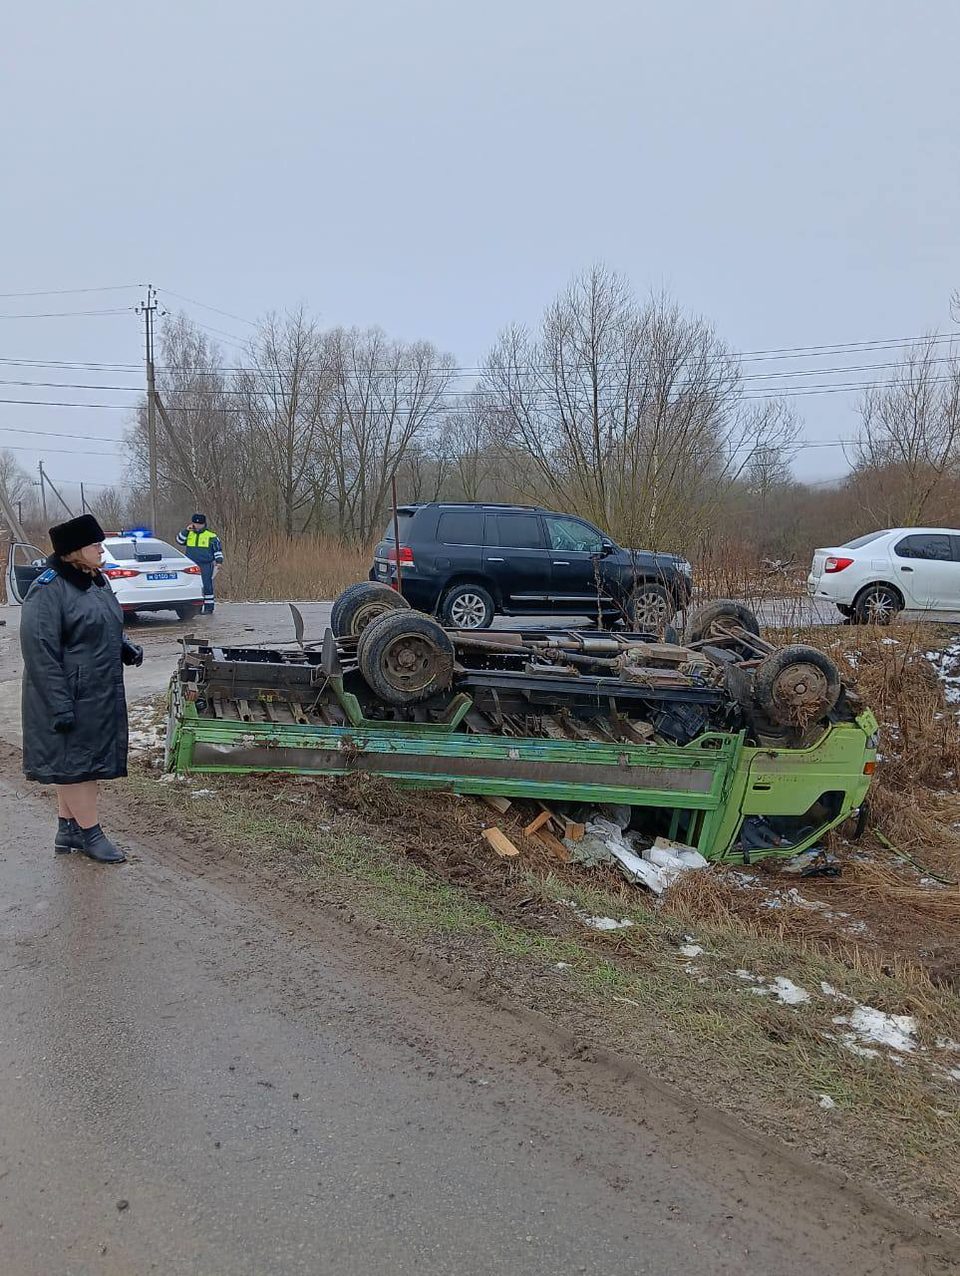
x,y
467,607
650,609
877,605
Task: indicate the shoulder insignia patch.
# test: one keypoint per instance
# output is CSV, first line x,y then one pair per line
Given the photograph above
x,y
46,577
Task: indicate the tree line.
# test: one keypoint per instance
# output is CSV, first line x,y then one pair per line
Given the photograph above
x,y
633,414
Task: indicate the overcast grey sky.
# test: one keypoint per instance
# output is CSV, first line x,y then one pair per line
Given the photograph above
x,y
788,170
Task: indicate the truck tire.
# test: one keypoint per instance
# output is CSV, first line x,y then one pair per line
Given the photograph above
x,y
405,657
467,606
877,605
359,604
796,685
702,619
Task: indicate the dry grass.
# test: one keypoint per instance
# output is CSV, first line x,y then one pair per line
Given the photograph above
x,y
303,568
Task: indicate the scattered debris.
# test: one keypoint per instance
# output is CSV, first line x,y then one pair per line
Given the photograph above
x,y
500,842
537,823
499,804
691,950
826,1101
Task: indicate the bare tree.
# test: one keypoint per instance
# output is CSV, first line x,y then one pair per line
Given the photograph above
x,y
286,396
387,395
909,439
633,416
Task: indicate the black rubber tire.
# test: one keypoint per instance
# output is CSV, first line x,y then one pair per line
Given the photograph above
x,y
877,605
768,686
405,657
189,613
650,608
845,610
701,619
458,599
359,604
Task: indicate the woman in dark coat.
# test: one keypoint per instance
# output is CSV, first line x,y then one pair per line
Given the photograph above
x,y
74,707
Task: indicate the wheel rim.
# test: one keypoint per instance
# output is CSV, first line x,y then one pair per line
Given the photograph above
x,y
880,607
650,610
468,611
803,689
365,615
411,662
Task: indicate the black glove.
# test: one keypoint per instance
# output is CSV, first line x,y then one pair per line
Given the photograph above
x,y
132,654
64,722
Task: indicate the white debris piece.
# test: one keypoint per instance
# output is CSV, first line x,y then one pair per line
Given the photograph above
x,y
826,1101
687,856
897,1032
691,950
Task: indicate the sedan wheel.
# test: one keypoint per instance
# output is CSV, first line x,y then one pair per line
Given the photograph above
x,y
877,606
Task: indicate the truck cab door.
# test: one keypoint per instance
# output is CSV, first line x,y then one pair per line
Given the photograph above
x,y
24,564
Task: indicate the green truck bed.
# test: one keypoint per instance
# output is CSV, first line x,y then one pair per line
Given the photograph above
x,y
702,792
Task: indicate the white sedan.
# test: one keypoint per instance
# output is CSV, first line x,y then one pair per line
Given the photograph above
x,y
146,574
874,577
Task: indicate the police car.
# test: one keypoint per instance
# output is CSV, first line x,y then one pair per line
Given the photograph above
x,y
145,573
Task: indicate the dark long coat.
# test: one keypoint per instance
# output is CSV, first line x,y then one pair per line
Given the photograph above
x,y
71,635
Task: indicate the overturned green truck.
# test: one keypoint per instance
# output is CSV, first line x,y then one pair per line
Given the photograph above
x,y
723,742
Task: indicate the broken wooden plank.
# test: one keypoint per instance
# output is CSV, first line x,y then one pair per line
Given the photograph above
x,y
499,804
537,823
573,831
553,845
500,842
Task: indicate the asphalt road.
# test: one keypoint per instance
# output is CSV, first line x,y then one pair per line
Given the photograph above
x,y
199,1080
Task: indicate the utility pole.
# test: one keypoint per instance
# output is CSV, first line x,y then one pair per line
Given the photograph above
x,y
148,309
45,482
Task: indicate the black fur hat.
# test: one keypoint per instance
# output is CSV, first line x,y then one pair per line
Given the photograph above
x,y
78,532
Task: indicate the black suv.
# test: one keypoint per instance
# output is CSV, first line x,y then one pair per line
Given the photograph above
x,y
468,562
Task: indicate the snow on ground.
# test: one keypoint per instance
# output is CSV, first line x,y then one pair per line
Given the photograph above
x,y
947,665
597,923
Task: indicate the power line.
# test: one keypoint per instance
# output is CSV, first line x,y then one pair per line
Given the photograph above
x,y
203,306
65,292
464,370
70,314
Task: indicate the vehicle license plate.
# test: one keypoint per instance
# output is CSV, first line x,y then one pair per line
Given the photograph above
x,y
161,575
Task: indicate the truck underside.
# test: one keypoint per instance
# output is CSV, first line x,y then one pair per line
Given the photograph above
x,y
576,719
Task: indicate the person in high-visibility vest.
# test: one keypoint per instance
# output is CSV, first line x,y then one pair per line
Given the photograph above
x,y
203,546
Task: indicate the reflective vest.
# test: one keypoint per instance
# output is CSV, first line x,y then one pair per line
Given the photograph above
x,y
200,540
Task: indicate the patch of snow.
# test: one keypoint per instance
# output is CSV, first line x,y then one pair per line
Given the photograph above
x,y
598,923
201,793
955,1073
788,992
562,965
691,950
826,1102
897,1032
784,989
944,1043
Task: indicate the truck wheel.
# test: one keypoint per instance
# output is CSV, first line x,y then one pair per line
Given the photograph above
x,y
876,605
705,621
406,657
467,606
650,609
358,605
796,685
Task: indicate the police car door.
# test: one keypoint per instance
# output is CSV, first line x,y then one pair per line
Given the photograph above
x,y
24,564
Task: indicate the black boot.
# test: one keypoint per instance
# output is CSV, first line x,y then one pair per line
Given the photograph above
x,y
98,847
69,838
